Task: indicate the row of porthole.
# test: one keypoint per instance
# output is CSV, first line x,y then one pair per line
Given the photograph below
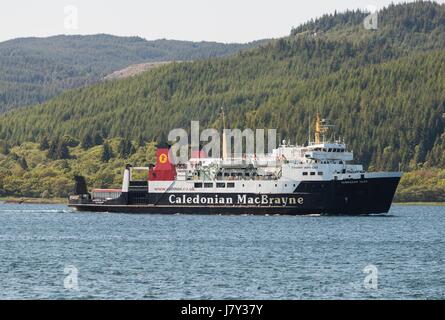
x,y
229,185
276,185
312,173
210,185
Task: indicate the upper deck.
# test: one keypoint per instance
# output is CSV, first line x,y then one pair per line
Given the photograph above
x,y
321,152
333,157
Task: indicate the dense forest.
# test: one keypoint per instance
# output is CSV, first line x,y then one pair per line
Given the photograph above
x,y
33,70
46,170
383,89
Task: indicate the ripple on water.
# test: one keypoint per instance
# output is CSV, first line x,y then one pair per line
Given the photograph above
x,y
220,257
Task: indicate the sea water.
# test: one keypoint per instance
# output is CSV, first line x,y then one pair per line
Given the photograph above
x,y
52,252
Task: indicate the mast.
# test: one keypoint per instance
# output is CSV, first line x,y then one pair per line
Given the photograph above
x,y
224,151
320,128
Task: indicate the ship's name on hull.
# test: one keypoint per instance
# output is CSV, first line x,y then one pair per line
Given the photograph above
x,y
241,199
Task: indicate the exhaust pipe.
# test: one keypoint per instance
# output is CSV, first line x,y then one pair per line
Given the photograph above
x,y
80,185
126,180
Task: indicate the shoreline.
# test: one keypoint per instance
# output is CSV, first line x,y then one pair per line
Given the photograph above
x,y
28,200
419,203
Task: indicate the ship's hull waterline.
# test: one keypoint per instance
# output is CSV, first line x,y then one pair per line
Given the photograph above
x,y
347,197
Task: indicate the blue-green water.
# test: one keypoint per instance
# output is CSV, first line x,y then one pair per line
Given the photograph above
x,y
220,257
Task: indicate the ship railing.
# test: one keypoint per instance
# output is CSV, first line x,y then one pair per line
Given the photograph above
x,y
255,178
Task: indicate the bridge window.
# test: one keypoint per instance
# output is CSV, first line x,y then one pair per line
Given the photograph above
x,y
208,185
198,185
230,185
312,173
304,173
220,185
320,173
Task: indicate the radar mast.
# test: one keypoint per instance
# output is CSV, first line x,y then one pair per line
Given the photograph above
x,y
321,128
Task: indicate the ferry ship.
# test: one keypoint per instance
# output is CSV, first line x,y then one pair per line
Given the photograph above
x,y
317,178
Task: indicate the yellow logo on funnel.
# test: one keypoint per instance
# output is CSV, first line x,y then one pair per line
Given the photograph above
x,y
163,158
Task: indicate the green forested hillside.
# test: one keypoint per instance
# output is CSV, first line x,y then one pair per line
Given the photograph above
x,y
405,27
35,69
390,113
384,89
27,170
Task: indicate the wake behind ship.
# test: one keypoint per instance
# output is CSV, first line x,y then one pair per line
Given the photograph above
x,y
292,180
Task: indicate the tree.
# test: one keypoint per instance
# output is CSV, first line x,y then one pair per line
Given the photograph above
x,y
141,141
58,150
44,144
97,139
107,152
126,148
87,141
52,149
4,147
62,151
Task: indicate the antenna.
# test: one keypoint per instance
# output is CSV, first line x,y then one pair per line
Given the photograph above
x,y
223,117
309,131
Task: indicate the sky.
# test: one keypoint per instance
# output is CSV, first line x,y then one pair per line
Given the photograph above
x,y
195,20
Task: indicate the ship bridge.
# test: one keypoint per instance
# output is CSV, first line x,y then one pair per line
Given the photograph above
x,y
328,151
319,151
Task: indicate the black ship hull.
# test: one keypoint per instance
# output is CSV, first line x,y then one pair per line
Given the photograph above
x,y
345,197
